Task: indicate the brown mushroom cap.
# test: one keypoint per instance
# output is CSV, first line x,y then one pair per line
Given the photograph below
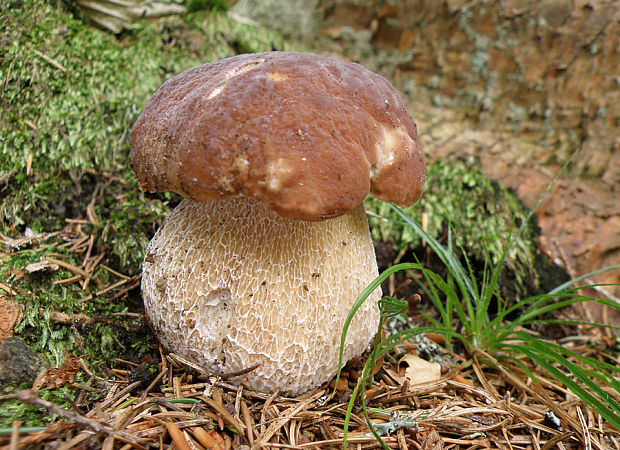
x,y
309,136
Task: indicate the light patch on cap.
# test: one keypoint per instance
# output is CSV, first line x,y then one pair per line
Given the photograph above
x,y
278,173
277,76
233,73
242,165
243,68
387,145
215,92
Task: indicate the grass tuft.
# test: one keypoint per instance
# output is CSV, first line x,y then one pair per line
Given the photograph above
x,y
463,304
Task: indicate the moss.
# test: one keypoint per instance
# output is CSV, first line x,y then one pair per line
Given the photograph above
x,y
39,296
33,416
481,211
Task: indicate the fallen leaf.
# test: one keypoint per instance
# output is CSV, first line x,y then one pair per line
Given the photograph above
x,y
420,370
342,385
57,377
10,315
17,273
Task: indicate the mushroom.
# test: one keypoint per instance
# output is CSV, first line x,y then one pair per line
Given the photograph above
x,y
259,264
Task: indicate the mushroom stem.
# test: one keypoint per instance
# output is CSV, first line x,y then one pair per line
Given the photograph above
x,y
230,284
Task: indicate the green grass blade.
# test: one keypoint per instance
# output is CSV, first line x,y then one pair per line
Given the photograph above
x,y
491,288
447,258
432,320
612,415
347,417
583,277
362,298
570,322
472,302
452,299
538,311
526,305
431,291
601,366
542,354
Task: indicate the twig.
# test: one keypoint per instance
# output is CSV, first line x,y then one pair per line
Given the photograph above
x,y
15,435
135,282
70,267
103,291
118,274
53,62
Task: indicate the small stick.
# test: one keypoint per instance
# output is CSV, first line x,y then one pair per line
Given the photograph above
x,y
91,241
8,289
69,267
53,62
118,274
135,282
103,291
72,279
15,435
77,244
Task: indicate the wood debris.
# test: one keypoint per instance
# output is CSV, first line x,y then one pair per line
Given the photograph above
x,y
10,315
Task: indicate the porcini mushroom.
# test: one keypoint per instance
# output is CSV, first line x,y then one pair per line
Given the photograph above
x,y
258,266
